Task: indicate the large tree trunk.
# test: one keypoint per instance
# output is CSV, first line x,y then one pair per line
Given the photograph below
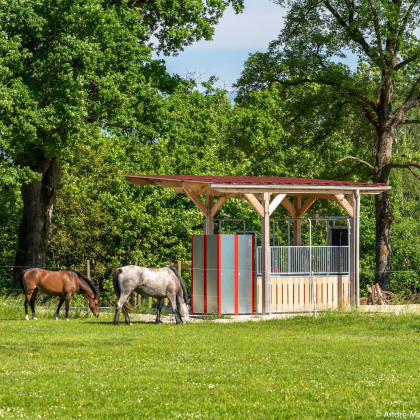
x,y
38,201
383,212
384,220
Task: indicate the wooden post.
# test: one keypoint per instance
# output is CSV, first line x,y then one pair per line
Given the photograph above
x,y
357,243
297,224
266,256
209,230
150,303
352,244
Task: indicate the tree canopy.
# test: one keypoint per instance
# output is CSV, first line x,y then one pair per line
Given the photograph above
x,y
68,67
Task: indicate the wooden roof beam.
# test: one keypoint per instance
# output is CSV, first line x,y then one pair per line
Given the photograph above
x,y
344,204
305,207
196,200
258,207
289,206
217,206
275,203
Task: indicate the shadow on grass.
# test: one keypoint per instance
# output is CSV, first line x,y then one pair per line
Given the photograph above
x,y
123,324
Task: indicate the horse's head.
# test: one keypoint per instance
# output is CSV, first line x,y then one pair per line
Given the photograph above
x,y
184,313
90,291
94,305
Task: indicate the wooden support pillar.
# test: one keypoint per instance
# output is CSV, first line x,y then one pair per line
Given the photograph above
x,y
266,256
354,254
297,224
357,254
209,228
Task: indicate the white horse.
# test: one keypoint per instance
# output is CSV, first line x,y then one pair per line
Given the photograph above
x,y
151,282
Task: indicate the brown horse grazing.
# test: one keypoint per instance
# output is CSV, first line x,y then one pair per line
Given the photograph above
x,y
63,284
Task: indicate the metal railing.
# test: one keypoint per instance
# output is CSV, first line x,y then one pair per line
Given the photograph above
x,y
292,260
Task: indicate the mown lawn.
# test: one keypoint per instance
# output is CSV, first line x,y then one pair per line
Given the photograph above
x,y
339,365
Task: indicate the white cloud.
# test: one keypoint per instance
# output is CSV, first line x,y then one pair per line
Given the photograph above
x,y
253,29
235,37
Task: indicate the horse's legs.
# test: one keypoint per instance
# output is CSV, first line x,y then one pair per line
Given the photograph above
x,y
172,299
118,306
60,304
67,300
28,296
32,303
182,308
127,319
158,309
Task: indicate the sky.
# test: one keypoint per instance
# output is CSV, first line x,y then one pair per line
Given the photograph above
x,y
236,36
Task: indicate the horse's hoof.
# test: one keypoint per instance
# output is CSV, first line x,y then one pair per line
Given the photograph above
x,y
27,317
67,319
158,322
35,318
116,323
56,318
128,323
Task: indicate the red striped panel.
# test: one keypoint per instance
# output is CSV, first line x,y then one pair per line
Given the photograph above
x,y
252,270
192,273
236,272
205,274
219,275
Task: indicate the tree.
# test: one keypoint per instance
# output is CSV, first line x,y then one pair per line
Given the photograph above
x,y
102,218
69,66
384,90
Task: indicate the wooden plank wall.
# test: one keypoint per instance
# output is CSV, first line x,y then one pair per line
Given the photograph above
x,y
290,294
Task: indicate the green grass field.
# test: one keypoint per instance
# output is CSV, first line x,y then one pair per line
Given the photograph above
x,y
339,365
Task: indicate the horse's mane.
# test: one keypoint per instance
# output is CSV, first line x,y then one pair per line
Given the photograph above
x,y
92,286
182,283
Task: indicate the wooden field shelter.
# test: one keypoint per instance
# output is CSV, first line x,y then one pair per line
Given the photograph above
x,y
277,287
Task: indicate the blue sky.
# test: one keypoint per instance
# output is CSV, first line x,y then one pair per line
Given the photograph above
x,y
236,36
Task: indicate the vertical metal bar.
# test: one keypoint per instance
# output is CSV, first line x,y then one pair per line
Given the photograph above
x,y
274,232
348,249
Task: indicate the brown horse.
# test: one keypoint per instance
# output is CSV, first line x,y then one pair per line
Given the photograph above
x,y
63,284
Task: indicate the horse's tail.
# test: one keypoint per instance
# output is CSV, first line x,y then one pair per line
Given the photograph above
x,y
126,307
116,283
22,273
182,283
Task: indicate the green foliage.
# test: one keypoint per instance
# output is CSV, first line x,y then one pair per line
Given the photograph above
x,y
70,70
102,218
68,64
405,273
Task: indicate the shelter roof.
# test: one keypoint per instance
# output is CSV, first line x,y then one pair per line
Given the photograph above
x,y
220,185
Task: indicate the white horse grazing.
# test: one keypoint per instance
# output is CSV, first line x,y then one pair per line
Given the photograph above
x,y
151,282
